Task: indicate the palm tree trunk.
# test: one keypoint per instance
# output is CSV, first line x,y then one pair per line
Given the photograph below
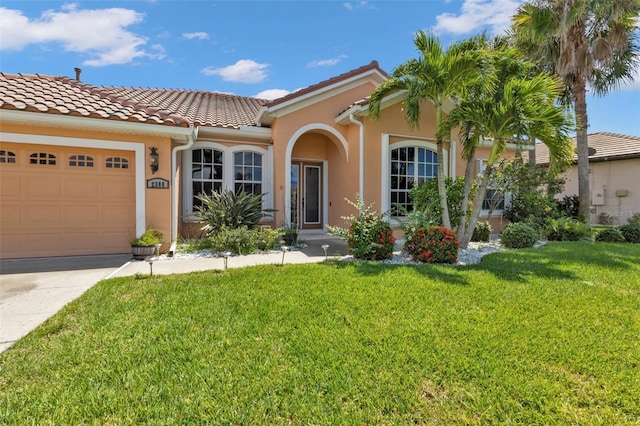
x,y
442,188
580,105
477,205
468,177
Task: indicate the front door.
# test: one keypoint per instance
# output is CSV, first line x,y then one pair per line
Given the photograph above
x,y
306,195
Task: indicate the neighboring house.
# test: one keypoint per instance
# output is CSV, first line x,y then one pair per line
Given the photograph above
x,y
76,178
614,175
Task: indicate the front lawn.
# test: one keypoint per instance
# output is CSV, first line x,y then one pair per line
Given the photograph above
x,y
537,336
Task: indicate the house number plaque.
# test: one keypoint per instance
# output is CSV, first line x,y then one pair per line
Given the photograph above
x,y
158,183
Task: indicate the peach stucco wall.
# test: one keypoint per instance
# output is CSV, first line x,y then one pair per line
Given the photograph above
x,y
158,201
605,178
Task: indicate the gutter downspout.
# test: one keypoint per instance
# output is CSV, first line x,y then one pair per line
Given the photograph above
x,y
174,199
361,157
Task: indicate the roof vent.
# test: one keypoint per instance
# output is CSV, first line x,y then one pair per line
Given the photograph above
x,y
78,71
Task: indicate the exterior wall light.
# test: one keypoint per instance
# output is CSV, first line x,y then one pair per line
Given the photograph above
x,y
153,159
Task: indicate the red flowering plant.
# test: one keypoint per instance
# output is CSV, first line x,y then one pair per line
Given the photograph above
x,y
434,244
368,235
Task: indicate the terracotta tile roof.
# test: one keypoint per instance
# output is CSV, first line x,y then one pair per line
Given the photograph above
x,y
62,95
608,146
373,65
198,107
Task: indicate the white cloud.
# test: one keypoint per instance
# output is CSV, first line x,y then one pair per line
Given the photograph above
x,y
243,71
198,35
326,62
271,94
99,33
358,5
477,14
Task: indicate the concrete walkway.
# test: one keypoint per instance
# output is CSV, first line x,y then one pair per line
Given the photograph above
x,y
32,290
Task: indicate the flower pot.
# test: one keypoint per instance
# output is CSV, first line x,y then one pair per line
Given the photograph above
x,y
142,252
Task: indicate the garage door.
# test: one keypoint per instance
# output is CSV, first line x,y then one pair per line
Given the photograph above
x,y
61,201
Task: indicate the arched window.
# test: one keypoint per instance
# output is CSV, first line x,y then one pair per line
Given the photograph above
x,y
117,163
410,165
42,158
81,161
7,157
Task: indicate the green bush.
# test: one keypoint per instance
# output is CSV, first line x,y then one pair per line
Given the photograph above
x,y
610,235
425,198
240,240
631,232
435,244
533,208
151,237
482,232
267,238
228,209
518,235
635,218
569,206
368,235
605,219
567,229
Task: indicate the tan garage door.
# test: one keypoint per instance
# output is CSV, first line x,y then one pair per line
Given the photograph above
x,y
61,201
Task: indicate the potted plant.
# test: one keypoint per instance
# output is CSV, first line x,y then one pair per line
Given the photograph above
x,y
146,244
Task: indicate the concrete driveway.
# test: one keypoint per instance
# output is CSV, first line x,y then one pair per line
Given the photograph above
x,y
32,290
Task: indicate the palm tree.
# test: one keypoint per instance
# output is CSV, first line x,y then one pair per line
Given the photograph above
x,y
516,106
438,75
585,42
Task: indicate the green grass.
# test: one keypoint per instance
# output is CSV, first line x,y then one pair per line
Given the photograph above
x,y
538,336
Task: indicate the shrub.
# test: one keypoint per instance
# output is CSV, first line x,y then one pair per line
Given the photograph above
x,y
569,206
482,232
425,198
610,235
435,244
368,235
228,209
518,235
533,208
605,219
240,240
567,229
267,238
635,218
151,237
631,232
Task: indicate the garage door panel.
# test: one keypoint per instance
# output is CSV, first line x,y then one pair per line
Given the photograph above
x,y
9,185
42,186
65,210
82,215
9,215
39,215
80,188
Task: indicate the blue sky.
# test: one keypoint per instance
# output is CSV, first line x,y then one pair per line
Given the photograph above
x,y
260,48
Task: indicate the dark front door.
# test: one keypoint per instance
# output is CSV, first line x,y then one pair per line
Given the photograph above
x,y
306,195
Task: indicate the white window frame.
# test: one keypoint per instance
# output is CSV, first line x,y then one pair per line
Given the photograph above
x,y
385,166
228,178
507,195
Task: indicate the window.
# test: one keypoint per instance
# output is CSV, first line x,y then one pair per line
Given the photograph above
x,y
117,163
214,167
42,158
410,166
494,199
206,172
247,172
81,161
7,157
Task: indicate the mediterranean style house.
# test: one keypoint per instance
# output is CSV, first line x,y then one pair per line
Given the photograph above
x,y
84,169
614,175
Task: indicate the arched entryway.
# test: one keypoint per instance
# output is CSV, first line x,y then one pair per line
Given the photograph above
x,y
313,152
